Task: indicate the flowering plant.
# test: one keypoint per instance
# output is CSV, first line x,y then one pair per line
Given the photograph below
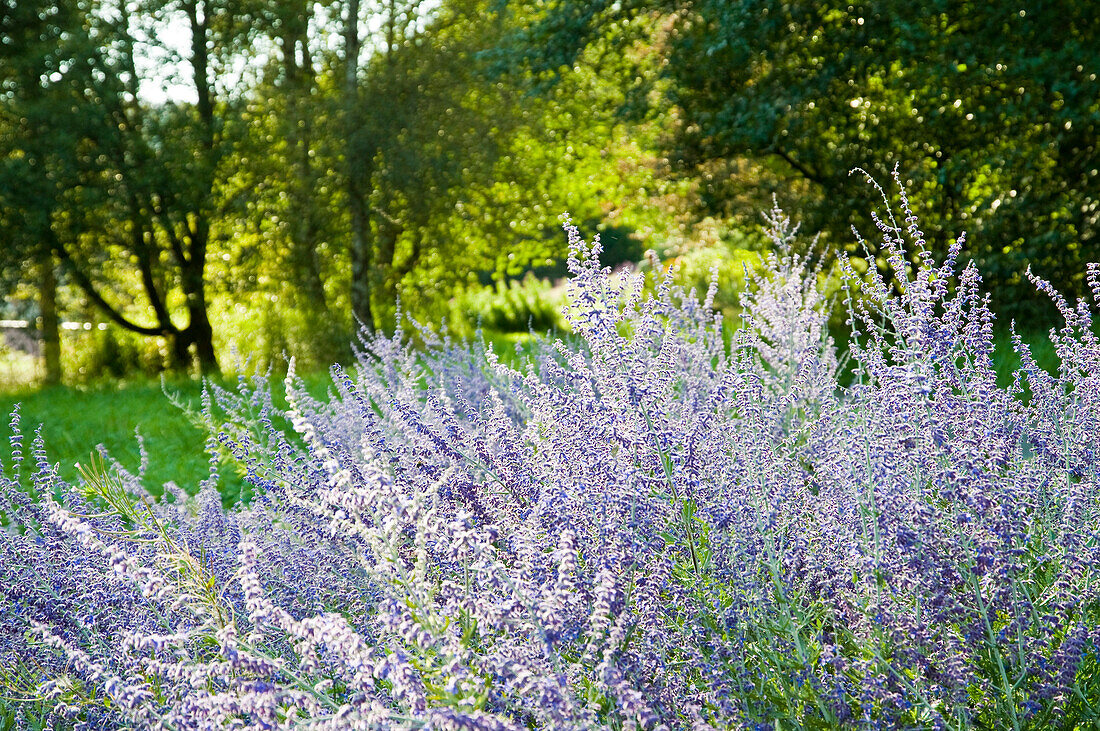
x,y
641,526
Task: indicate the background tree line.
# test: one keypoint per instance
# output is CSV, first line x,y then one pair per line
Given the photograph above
x,y
990,109
319,162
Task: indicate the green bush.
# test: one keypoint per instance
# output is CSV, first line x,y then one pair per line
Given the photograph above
x,y
102,353
264,331
518,306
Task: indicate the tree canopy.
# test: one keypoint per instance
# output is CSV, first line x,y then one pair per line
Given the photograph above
x,y
991,110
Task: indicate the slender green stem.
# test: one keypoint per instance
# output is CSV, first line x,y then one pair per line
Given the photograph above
x,y
1007,687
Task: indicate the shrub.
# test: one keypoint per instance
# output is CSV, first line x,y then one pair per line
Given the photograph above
x,y
103,353
266,328
518,306
642,528
734,261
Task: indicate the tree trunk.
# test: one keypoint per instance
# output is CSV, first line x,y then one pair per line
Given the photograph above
x,y
198,330
358,161
51,325
300,82
388,273
201,335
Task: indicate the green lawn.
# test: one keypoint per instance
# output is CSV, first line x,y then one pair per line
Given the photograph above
x,y
76,419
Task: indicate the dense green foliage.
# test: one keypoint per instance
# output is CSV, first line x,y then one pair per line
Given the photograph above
x,y
305,167
991,109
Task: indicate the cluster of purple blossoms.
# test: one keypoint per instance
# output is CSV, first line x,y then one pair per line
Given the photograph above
x,y
646,525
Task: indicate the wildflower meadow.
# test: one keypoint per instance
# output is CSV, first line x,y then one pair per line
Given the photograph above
x,y
644,524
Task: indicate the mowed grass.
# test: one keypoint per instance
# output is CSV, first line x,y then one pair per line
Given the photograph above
x,y
75,420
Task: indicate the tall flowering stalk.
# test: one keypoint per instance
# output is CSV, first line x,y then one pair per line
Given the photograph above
x,y
645,525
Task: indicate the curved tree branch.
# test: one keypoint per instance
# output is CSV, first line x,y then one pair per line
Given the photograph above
x,y
805,171
86,284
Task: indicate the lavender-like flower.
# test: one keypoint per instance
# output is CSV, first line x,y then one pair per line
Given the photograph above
x,y
655,522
